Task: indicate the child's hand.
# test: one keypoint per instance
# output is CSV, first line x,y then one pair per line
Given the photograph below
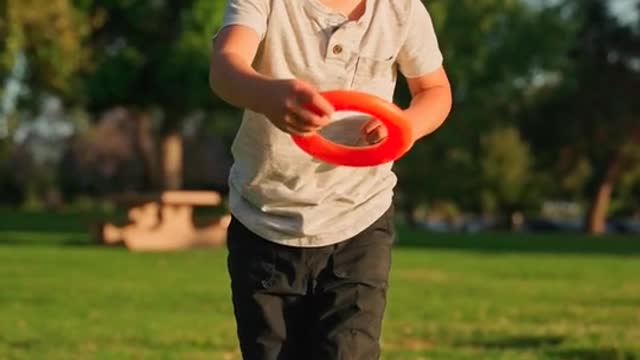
x,y
373,131
286,107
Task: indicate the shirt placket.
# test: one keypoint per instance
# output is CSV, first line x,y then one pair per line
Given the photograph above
x,y
340,49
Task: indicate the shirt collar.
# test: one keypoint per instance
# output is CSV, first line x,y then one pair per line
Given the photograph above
x,y
320,12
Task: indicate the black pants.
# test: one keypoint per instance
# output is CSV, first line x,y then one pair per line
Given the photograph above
x,y
322,303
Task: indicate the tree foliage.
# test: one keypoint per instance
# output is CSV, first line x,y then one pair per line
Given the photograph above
x,y
495,51
505,169
589,117
544,91
52,35
152,54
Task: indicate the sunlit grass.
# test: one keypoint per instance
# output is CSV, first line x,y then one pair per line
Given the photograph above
x,y
451,297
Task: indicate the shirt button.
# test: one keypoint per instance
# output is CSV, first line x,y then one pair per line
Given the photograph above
x,y
337,49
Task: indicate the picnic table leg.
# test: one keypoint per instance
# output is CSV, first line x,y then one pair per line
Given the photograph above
x,y
166,223
175,231
143,216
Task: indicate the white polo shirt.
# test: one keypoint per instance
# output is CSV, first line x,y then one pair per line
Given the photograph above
x,y
278,191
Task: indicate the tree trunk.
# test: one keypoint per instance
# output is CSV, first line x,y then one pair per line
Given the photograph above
x,y
409,210
145,146
597,214
172,160
516,221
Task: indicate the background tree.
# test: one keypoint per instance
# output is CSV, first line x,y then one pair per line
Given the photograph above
x,y
152,57
50,34
495,50
42,53
589,117
506,172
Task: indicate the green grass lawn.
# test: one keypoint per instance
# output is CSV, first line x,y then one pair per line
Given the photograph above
x,y
492,296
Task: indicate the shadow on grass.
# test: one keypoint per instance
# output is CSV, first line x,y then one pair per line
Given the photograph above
x,y
520,243
592,354
22,345
12,220
551,345
521,342
38,238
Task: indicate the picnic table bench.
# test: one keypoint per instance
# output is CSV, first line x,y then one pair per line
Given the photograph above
x,y
164,221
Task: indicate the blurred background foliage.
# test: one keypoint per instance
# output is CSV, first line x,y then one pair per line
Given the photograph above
x,y
101,97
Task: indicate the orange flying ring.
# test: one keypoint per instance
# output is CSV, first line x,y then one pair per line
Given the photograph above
x,y
396,144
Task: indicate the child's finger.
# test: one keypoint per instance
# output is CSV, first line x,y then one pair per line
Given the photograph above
x,y
298,129
323,105
374,131
375,136
310,97
298,126
309,118
371,125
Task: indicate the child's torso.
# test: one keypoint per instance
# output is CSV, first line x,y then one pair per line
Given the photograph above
x,y
279,191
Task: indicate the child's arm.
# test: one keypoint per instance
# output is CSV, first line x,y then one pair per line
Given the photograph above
x,y
233,78
430,104
420,61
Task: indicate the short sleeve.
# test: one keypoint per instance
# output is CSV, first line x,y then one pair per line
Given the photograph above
x,y
419,54
250,13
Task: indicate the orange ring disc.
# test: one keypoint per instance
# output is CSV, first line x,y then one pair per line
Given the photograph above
x,y
396,144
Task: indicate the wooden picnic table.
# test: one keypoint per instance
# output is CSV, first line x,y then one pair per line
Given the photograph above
x,y
164,221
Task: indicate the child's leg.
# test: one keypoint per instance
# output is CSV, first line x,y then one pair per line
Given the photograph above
x,y
269,303
350,296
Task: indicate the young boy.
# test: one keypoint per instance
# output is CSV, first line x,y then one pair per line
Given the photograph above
x,y
310,243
